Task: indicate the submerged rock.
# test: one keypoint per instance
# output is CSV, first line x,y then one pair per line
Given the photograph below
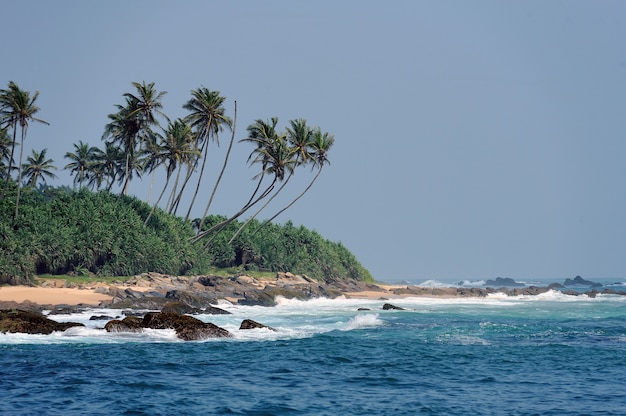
x,y
250,324
389,306
30,322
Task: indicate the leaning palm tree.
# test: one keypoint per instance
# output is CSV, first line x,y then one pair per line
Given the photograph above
x,y
207,118
298,137
273,153
318,147
81,160
38,168
176,148
17,107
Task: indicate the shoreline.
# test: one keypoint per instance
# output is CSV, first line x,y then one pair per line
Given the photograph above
x,y
152,290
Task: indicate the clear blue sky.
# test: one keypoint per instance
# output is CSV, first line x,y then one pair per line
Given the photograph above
x,y
474,139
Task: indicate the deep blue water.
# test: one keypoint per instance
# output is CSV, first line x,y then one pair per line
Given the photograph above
x,y
547,355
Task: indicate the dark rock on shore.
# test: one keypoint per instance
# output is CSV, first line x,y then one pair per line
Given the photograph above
x,y
30,322
128,324
187,327
250,324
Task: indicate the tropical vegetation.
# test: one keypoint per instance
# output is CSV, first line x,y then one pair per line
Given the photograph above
x,y
90,229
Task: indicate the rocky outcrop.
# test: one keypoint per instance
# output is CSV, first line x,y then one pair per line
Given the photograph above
x,y
31,322
503,282
187,327
250,324
579,281
389,306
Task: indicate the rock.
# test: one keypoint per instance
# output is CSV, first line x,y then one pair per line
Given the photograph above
x,y
147,302
30,322
503,282
389,306
198,300
257,298
128,324
187,327
180,308
364,309
579,281
100,318
250,324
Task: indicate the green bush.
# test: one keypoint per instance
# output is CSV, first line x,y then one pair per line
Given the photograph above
x,y
61,231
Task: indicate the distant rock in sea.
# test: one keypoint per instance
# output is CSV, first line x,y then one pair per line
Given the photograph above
x,y
503,282
579,281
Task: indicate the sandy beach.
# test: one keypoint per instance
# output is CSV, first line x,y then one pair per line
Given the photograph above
x,y
88,296
51,295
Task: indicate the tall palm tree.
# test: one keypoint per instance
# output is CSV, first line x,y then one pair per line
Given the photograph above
x,y
207,118
122,130
37,167
176,148
81,160
17,107
147,104
132,124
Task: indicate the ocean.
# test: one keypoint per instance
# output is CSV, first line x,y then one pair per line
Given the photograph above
x,y
550,354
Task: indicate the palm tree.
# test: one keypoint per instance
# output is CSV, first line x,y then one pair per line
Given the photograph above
x,y
17,107
207,118
105,166
132,124
176,148
318,146
5,153
37,167
81,160
147,104
122,130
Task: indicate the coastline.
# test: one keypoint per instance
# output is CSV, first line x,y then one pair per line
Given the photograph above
x,y
153,290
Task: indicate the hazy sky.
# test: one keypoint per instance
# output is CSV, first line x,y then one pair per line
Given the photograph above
x,y
473,139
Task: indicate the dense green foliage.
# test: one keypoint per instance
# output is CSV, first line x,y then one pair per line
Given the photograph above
x,y
62,231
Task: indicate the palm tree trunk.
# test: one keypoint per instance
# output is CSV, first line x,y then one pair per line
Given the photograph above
x,y
260,209
219,178
19,171
167,181
291,203
6,183
190,171
219,227
206,152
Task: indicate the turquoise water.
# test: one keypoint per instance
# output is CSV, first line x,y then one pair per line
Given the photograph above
x,y
545,355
